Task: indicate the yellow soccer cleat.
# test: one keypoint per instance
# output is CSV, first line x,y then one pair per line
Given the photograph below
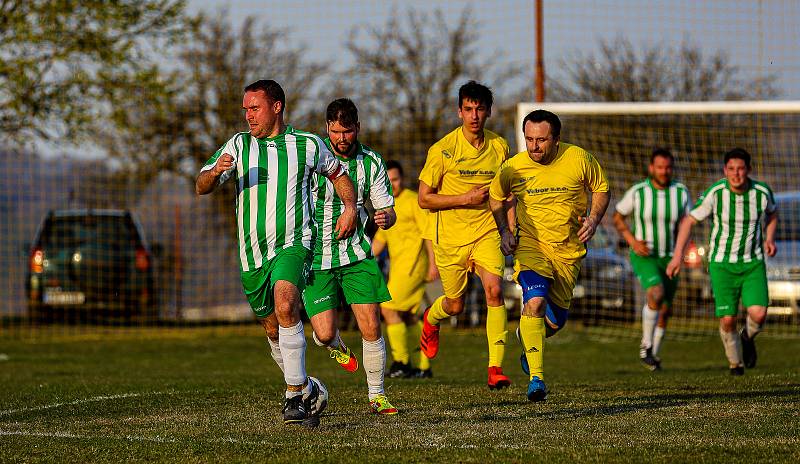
x,y
381,405
346,359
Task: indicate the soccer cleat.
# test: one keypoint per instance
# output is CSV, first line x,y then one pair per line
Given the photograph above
x,y
429,340
497,379
345,358
421,374
737,371
748,349
523,360
312,419
294,410
400,370
381,405
537,390
648,360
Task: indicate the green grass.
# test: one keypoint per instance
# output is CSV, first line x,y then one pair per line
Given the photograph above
x,y
214,395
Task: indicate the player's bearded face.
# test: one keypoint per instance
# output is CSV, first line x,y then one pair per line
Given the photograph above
x,y
343,138
261,113
542,146
661,171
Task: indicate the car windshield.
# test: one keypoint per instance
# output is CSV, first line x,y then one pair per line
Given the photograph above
x,y
70,231
788,221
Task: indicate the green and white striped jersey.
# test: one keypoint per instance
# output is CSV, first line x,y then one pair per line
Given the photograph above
x,y
738,218
368,172
274,197
656,213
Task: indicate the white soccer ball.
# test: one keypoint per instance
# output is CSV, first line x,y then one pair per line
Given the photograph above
x,y
322,400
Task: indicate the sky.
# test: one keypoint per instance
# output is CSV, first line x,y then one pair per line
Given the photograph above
x,y
761,37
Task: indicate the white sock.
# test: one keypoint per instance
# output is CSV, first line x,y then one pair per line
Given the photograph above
x,y
649,319
292,342
658,335
275,351
733,348
374,364
334,344
753,328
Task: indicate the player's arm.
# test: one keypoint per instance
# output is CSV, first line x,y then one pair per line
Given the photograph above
x,y
769,240
209,178
346,224
684,231
378,244
430,198
385,218
433,271
589,224
508,242
638,246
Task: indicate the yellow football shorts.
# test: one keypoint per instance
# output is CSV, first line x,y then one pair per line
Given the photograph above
x,y
563,272
455,263
407,286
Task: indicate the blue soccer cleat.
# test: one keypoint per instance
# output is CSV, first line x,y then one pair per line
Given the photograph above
x,y
537,390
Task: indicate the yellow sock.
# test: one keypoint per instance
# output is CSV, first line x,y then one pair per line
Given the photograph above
x,y
532,331
416,331
436,314
396,333
496,333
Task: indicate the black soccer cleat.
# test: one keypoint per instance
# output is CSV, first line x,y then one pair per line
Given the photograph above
x,y
421,373
312,418
737,371
748,349
294,410
648,360
400,370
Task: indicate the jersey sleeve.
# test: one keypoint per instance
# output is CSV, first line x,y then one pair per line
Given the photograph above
x,y
500,188
380,192
771,205
433,170
625,204
686,206
421,218
327,164
231,147
594,177
704,207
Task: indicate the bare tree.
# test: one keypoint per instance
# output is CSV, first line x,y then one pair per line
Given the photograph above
x,y
407,74
621,72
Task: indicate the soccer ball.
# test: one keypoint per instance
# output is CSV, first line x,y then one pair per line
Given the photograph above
x,y
322,400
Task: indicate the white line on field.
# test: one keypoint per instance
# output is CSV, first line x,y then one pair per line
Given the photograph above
x,y
93,399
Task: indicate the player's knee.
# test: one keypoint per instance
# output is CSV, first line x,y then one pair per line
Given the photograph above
x,y
535,307
494,293
655,294
555,319
454,307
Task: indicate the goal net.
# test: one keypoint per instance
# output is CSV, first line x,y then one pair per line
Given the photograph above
x,y
622,136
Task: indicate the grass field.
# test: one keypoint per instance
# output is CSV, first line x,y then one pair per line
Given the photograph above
x,y
214,395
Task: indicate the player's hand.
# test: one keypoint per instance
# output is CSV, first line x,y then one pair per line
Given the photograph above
x,y
477,196
224,163
674,266
770,247
383,219
588,228
346,224
508,242
433,273
640,248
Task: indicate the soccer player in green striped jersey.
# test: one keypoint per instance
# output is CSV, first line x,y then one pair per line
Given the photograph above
x,y
347,267
657,205
274,166
744,219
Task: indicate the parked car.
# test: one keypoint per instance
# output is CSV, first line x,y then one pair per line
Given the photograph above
x,y
605,290
783,269
95,262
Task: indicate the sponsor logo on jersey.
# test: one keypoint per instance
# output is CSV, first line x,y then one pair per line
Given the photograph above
x,y
475,172
446,154
320,300
537,191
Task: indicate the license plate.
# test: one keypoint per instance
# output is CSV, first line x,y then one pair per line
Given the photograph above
x,y
57,296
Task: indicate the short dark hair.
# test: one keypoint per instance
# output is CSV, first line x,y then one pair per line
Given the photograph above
x,y
536,116
271,89
663,152
392,164
738,153
475,92
343,111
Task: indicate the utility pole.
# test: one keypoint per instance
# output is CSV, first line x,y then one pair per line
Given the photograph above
x,y
539,52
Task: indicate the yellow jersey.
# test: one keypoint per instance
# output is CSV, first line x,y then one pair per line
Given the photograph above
x,y
404,238
550,198
454,167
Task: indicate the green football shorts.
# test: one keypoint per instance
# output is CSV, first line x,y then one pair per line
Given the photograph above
x,y
651,271
291,264
732,281
360,283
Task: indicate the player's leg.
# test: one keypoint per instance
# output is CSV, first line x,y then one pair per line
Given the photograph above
x,y
755,298
726,287
397,334
670,287
364,289
407,289
453,272
321,298
647,272
535,288
270,325
414,324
